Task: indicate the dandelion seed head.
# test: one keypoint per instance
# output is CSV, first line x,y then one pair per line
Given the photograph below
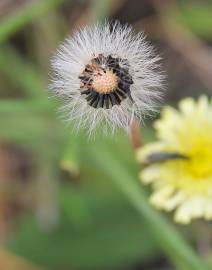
x,y
107,76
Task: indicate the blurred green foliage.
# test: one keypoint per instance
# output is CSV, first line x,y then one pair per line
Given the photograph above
x,y
197,17
102,217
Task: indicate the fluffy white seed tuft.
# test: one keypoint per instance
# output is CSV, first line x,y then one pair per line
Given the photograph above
x,y
136,58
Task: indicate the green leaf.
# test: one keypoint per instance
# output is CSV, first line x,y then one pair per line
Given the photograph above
x,y
111,236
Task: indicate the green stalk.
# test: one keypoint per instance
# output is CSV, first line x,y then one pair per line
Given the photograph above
x,y
25,15
170,241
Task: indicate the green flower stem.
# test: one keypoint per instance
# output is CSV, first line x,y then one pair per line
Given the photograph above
x,y
25,15
170,241
71,158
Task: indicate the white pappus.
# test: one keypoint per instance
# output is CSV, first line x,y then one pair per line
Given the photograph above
x,y
107,76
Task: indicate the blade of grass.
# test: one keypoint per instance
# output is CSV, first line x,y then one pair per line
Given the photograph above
x,y
25,15
25,106
170,241
21,73
26,120
26,128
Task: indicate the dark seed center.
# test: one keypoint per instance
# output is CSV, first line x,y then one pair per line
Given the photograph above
x,y
105,83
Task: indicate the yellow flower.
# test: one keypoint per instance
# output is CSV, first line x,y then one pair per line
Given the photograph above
x,y
180,163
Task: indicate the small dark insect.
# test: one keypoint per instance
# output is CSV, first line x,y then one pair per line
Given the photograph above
x,y
165,156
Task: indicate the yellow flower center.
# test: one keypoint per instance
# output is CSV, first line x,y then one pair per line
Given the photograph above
x,y
105,82
199,165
